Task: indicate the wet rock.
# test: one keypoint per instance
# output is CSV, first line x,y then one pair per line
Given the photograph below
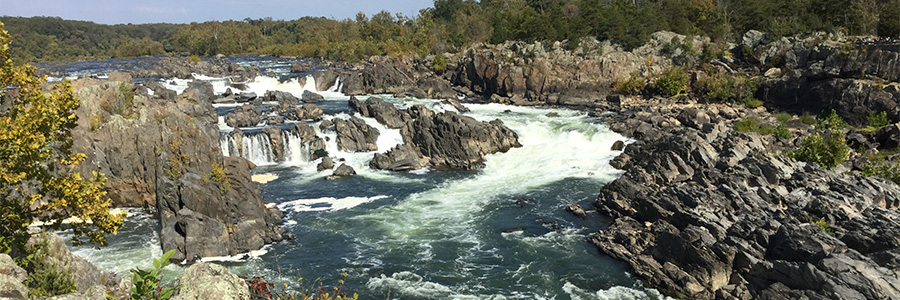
x,y
354,135
385,113
211,281
245,116
326,164
456,105
401,158
455,141
576,210
618,146
311,97
342,171
281,97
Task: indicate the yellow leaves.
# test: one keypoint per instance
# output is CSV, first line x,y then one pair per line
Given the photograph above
x,y
36,178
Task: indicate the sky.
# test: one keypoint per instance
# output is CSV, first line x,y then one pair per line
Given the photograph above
x,y
186,11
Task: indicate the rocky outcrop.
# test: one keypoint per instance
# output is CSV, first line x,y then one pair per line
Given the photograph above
x,y
211,281
12,278
163,154
400,76
827,71
439,140
311,97
353,134
705,212
385,113
249,115
244,116
181,67
536,73
281,97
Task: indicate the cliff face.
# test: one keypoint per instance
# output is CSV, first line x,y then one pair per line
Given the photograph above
x,y
161,152
826,72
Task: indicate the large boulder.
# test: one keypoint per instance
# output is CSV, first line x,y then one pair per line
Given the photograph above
x,y
245,116
354,134
385,113
162,157
211,281
312,97
12,278
404,157
455,141
281,97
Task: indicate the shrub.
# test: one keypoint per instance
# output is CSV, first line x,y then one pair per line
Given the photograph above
x,y
878,120
751,102
827,152
218,175
46,277
783,117
707,54
880,167
782,131
746,125
148,284
633,85
831,121
440,64
808,119
194,58
672,82
719,86
262,289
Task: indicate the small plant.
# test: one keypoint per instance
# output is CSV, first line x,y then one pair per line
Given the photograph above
x,y
827,152
822,223
148,284
127,106
783,117
831,121
808,119
782,131
194,58
707,54
672,82
630,86
746,125
878,120
95,122
218,175
751,102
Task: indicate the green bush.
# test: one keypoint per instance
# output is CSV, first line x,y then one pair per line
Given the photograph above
x,y
440,64
148,284
880,167
783,117
878,120
808,119
746,125
827,151
751,102
630,86
831,121
46,277
782,131
822,223
672,82
719,86
194,58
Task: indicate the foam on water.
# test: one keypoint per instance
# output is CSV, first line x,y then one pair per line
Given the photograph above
x,y
613,293
327,203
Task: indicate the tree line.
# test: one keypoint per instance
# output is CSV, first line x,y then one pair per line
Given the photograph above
x,y
451,25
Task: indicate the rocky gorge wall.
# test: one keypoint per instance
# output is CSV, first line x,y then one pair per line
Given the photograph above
x,y
161,152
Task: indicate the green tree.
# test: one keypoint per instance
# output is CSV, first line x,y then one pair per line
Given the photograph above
x,y
37,177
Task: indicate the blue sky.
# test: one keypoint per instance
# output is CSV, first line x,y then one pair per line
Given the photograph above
x,y
186,11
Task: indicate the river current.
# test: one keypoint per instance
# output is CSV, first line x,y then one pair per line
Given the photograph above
x,y
500,232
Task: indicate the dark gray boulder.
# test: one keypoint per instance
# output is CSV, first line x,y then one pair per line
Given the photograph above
x,y
281,97
455,141
354,135
311,97
404,157
326,164
385,113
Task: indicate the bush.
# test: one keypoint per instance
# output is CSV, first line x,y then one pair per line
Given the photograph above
x,y
751,102
672,82
831,121
633,85
262,289
878,120
783,117
46,277
719,86
822,223
440,64
880,167
746,125
782,131
194,58
808,119
827,152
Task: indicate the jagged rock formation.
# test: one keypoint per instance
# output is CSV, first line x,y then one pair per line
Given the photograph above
x,y
211,281
705,212
403,76
162,153
534,73
439,140
831,72
181,67
353,135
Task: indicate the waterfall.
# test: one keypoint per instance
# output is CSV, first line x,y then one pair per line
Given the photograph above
x,y
294,150
336,88
257,148
310,84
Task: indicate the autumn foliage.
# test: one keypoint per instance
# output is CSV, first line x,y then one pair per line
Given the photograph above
x,y
37,177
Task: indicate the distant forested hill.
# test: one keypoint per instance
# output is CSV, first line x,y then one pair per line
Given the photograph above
x,y
453,24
